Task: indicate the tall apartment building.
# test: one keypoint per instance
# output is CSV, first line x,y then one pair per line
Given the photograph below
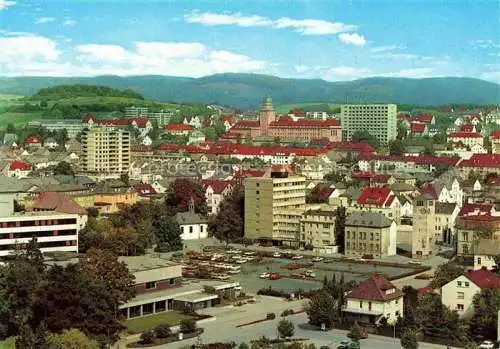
x,y
274,205
106,150
53,231
379,120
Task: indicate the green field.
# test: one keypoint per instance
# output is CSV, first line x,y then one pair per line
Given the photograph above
x,y
18,118
138,325
9,343
284,108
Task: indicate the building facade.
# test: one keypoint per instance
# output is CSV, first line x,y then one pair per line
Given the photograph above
x,y
106,150
379,120
317,229
423,239
72,127
274,205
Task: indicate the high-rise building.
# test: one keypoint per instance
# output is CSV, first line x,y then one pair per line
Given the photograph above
x,y
379,120
106,150
274,205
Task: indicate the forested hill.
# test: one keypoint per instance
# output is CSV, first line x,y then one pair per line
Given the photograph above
x,y
247,90
81,90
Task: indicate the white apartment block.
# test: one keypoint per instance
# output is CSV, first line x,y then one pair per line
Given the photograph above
x,y
53,231
106,150
379,120
133,111
72,127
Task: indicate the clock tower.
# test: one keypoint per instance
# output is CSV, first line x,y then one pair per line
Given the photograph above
x,y
423,239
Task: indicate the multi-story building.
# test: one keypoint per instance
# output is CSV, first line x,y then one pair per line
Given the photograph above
x,y
215,191
72,127
317,229
423,239
274,205
379,120
495,142
106,150
286,128
469,139
370,233
133,111
54,231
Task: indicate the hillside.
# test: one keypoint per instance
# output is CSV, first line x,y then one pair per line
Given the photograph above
x,y
247,90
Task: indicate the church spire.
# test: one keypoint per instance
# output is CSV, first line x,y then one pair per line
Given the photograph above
x,y
267,105
191,205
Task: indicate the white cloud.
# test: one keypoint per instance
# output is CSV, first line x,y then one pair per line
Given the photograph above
x,y
211,19
43,20
69,22
100,53
4,4
491,76
302,26
345,73
22,49
352,38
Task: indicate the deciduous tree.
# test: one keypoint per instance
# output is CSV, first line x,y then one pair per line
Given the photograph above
x,y
228,224
483,324
179,194
71,339
409,340
445,273
321,309
285,328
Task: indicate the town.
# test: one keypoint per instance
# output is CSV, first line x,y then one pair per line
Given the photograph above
x,y
359,226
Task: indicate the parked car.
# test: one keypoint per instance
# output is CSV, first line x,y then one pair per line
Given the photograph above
x,y
345,344
487,345
277,255
297,256
318,259
264,275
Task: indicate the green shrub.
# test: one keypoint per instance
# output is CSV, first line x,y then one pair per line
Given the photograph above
x,y
271,316
162,331
147,337
187,326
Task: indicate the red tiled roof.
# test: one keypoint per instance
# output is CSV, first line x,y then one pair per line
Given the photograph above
x,y
482,160
243,173
353,146
425,117
419,159
229,118
376,289
144,189
231,135
140,122
178,127
467,128
429,189
492,180
323,191
217,185
286,121
484,278
424,290
58,202
495,135
169,147
375,196
417,127
89,117
18,165
33,140
476,209
246,124
461,134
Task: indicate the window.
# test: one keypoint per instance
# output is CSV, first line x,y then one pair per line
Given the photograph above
x,y
369,306
150,285
190,229
257,192
459,283
479,260
361,304
460,295
460,307
466,284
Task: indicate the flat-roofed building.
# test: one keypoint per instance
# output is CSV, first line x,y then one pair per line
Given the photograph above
x,y
379,120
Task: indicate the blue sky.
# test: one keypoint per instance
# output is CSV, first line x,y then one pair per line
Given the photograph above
x,y
331,39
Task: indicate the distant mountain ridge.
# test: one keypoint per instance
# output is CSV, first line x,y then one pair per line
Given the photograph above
x,y
247,90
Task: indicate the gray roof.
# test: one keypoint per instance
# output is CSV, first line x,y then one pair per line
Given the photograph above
x,y
445,208
11,185
399,187
190,218
487,247
368,219
331,213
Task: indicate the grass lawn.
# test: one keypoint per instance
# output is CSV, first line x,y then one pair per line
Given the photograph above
x,y
145,323
9,343
18,118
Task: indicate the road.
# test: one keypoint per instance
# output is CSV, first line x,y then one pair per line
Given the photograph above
x,y
223,329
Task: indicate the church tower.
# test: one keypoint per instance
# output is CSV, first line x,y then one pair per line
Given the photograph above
x,y
266,116
423,242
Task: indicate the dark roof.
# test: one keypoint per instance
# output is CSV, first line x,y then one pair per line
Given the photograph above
x,y
332,213
189,218
375,288
368,219
445,208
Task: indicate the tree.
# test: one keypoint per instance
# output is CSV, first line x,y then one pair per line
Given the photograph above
x,y
147,337
187,326
321,309
63,168
105,267
429,147
10,128
365,137
26,338
356,332
285,328
179,194
483,324
334,177
440,138
71,339
396,147
210,133
168,235
228,224
445,273
163,331
409,340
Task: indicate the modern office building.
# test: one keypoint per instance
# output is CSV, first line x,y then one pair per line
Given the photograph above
x,y
53,231
106,150
274,205
379,120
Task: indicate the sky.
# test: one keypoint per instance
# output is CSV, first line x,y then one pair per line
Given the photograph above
x,y
334,40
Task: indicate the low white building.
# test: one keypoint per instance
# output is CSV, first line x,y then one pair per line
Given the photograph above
x,y
459,293
374,299
193,225
485,252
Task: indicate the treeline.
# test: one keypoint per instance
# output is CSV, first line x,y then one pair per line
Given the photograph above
x,y
80,90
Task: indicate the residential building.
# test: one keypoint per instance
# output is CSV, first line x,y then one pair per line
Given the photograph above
x,y
374,299
215,191
317,229
286,128
445,217
33,142
380,120
370,233
53,231
134,111
106,150
481,164
18,169
194,121
50,143
274,205
179,129
469,139
379,199
495,142
423,239
72,127
193,225
162,117
62,203
418,129
196,137
160,288
144,191
485,253
459,293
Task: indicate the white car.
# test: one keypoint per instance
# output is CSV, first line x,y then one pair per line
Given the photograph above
x,y
264,275
298,256
317,259
487,345
277,255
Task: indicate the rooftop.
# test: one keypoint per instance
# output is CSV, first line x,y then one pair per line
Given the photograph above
x,y
368,219
147,262
376,288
